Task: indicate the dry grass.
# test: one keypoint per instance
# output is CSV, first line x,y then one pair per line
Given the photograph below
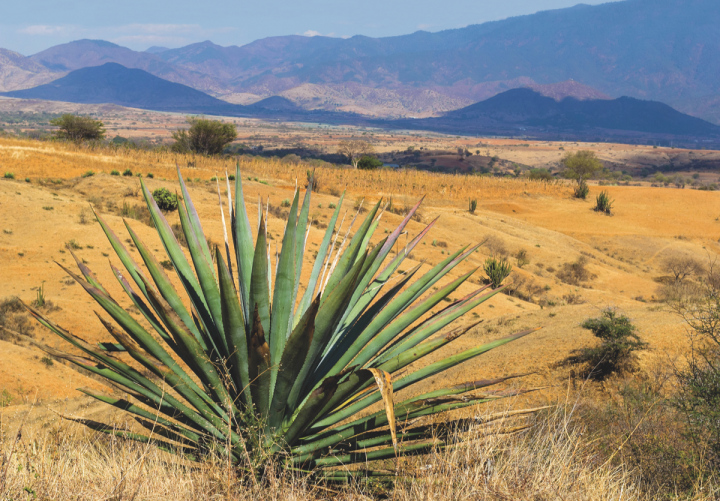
x,y
64,461
41,160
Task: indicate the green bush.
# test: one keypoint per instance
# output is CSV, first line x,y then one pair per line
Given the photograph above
x,y
285,203
166,201
88,174
618,342
127,173
540,175
9,175
603,203
581,190
497,270
472,206
27,180
114,172
367,162
150,175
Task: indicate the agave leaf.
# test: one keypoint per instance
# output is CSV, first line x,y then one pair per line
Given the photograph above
x,y
139,411
164,286
208,284
234,324
434,324
326,320
195,226
292,361
417,376
259,289
259,367
282,305
178,259
309,410
319,260
242,238
350,256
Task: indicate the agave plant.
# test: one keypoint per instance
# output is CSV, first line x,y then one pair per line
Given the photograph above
x,y
247,366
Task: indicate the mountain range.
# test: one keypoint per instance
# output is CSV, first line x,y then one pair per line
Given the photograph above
x,y
542,109
661,50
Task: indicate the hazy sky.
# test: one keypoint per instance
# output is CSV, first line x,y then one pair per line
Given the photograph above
x,y
29,26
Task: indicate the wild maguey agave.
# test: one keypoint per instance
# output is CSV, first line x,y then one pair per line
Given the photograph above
x,y
240,374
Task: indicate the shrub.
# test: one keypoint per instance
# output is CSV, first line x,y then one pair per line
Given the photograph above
x,y
574,273
27,179
369,163
581,190
618,342
522,258
540,175
127,173
166,201
78,128
206,137
285,203
681,266
473,205
88,174
114,172
47,361
222,357
9,175
150,175
603,203
72,244
497,270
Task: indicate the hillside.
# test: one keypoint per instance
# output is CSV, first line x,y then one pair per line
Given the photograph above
x,y
113,83
19,72
528,108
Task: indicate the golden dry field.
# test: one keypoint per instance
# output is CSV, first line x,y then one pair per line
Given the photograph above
x,y
47,207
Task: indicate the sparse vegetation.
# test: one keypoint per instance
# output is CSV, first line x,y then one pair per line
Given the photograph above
x,y
127,173
618,343
114,172
9,175
472,206
355,151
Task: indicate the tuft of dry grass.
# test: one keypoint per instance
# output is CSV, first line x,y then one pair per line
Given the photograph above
x,y
506,461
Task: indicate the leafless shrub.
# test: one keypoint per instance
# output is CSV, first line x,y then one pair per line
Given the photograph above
x,y
574,273
682,266
496,246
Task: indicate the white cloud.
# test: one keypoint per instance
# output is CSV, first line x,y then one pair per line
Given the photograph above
x,y
312,33
424,26
44,30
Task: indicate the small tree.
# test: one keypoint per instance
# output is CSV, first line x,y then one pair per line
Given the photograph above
x,y
205,136
355,150
78,128
581,166
618,342
681,266
368,163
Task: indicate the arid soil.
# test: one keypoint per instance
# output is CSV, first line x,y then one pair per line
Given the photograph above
x,y
623,255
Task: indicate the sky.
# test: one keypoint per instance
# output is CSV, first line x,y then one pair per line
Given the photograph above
x,y
30,26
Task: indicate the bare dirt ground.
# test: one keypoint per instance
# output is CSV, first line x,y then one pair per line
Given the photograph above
x,y
624,253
